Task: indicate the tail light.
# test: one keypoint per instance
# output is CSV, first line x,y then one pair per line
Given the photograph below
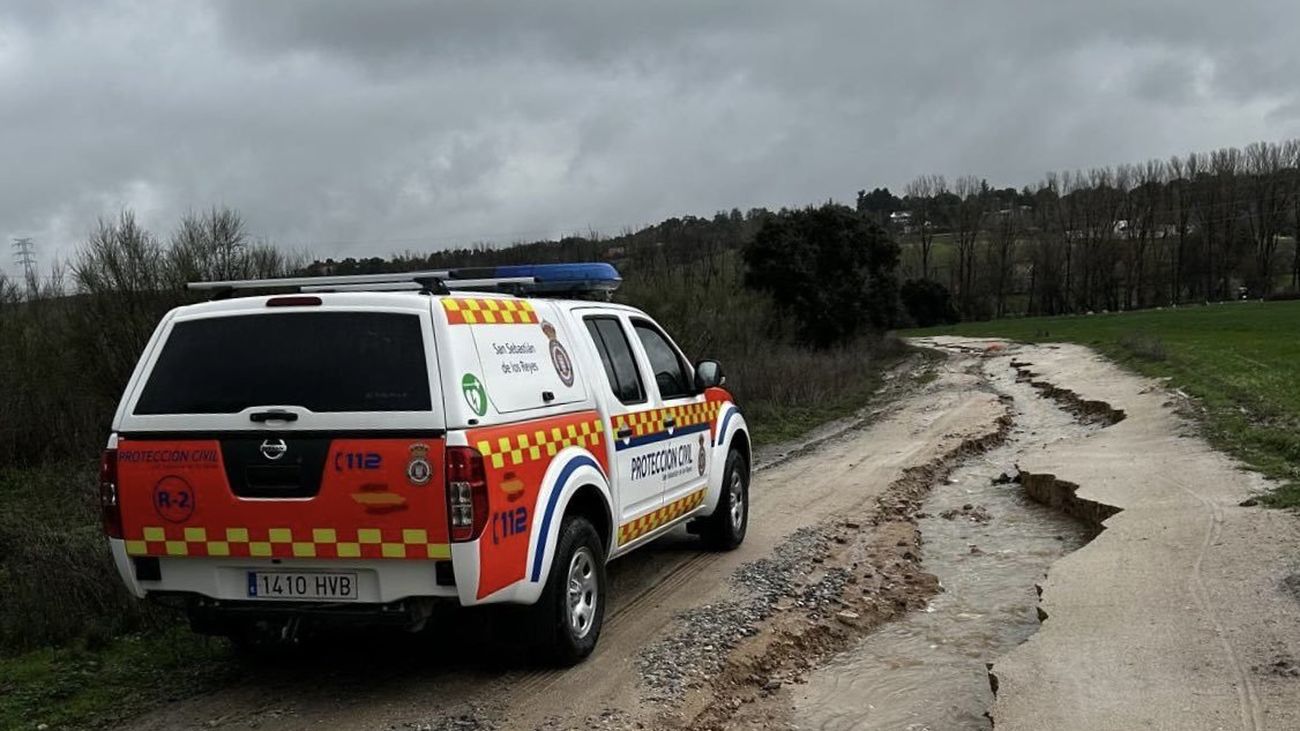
x,y
110,507
467,508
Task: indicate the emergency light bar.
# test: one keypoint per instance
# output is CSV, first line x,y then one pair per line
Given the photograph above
x,y
525,279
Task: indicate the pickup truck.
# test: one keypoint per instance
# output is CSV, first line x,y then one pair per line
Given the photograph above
x,y
300,452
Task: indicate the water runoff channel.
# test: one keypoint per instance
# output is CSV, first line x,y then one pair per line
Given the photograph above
x,y
989,544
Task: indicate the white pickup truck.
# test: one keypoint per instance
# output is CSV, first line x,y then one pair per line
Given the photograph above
x,y
333,449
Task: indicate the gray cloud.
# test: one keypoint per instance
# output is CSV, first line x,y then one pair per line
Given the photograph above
x,y
367,128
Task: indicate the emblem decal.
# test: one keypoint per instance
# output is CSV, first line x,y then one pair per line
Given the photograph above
x,y
512,486
418,470
559,356
173,499
701,458
475,395
274,449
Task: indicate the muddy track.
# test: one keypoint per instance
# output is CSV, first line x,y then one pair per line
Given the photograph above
x,y
1086,410
1062,495
873,562
1176,614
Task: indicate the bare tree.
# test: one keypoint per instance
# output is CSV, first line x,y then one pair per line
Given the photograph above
x,y
1182,179
966,222
1266,208
1291,154
1140,227
1005,232
922,204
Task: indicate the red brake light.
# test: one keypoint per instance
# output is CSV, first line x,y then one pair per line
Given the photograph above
x,y
293,302
110,507
467,508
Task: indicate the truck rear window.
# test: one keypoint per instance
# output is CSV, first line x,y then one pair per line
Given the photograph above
x,y
322,361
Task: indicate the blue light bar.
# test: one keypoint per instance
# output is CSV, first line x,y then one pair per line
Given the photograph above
x,y
548,278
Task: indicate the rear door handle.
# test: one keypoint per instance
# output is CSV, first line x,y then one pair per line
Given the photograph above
x,y
624,433
670,421
262,417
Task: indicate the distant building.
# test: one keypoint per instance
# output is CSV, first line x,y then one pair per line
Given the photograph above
x,y
901,220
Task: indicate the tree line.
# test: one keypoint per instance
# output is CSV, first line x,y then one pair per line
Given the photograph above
x,y
1202,227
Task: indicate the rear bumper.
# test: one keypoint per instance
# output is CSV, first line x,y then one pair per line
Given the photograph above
x,y
379,581
218,617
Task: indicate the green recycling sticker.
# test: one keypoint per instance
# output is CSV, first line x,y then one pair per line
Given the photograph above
x,y
475,395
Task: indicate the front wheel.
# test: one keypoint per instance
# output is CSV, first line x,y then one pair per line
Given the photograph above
x,y
571,611
725,529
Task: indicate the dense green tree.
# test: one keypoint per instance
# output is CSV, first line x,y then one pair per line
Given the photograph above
x,y
927,303
829,267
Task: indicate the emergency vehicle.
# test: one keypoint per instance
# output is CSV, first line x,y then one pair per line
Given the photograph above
x,y
359,448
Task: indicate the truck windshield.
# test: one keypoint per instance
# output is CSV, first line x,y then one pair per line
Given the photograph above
x,y
322,361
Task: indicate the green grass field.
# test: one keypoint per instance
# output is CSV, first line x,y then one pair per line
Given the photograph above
x,y
80,686
1241,360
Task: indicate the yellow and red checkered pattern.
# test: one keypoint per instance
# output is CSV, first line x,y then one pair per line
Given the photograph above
x,y
633,530
531,444
652,421
488,311
287,543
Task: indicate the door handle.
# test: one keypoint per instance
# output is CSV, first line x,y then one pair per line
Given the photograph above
x,y
624,433
670,421
261,417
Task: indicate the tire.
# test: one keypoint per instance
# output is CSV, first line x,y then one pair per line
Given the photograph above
x,y
725,529
571,611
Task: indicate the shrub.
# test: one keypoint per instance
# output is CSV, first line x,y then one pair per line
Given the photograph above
x,y
830,268
66,358
59,581
1144,345
927,303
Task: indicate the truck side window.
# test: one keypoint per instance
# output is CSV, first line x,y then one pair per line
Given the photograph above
x,y
616,356
670,372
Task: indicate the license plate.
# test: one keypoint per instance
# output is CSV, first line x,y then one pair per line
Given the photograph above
x,y
305,585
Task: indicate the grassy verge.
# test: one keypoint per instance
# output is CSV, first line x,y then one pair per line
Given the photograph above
x,y
78,687
801,390
1240,360
76,650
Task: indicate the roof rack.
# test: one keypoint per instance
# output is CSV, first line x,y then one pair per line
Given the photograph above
x,y
528,279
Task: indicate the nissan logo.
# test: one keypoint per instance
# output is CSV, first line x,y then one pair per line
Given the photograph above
x,y
274,449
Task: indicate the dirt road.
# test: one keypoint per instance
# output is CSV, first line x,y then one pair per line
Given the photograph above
x,y
703,640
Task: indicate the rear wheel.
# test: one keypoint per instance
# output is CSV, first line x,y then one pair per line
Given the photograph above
x,y
725,529
571,611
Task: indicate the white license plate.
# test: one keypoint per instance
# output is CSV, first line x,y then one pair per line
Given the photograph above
x,y
301,585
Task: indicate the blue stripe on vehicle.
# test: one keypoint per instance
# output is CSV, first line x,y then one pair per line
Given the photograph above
x,y
726,419
621,444
581,460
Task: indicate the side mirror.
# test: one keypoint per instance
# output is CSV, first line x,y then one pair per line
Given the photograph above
x,y
708,373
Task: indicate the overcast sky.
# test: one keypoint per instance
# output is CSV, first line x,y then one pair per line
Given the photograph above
x,y
359,128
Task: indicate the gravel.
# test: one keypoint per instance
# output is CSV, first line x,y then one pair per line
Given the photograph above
x,y
703,635
470,721
608,718
1292,585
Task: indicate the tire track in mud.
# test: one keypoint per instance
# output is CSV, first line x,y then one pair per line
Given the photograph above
x,y
1251,711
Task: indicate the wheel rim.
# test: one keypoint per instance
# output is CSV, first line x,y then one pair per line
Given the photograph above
x,y
737,490
584,593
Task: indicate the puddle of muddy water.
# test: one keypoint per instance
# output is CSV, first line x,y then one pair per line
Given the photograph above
x,y
927,670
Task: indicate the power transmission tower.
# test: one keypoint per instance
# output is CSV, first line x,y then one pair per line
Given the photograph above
x,y
25,255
